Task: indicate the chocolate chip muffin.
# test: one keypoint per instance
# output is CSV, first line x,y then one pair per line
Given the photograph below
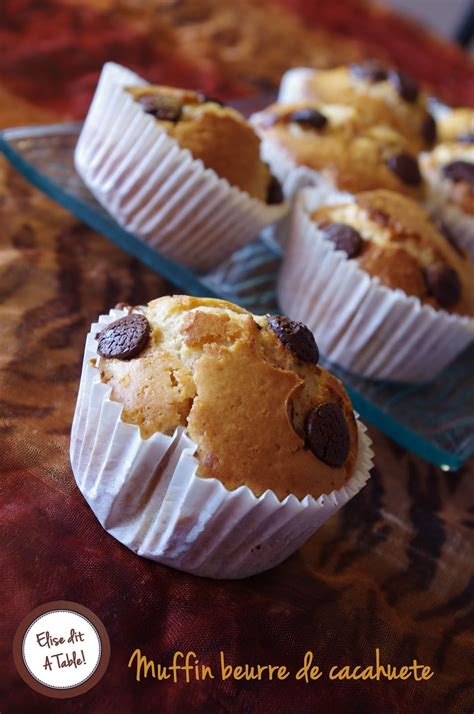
x,y
163,162
380,94
211,132
392,238
247,389
388,296
341,148
457,125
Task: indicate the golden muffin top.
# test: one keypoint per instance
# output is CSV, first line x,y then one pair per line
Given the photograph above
x,y
383,95
392,237
217,135
457,125
338,141
248,390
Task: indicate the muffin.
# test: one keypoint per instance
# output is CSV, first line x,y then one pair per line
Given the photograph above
x,y
211,439
388,294
456,125
382,95
449,174
393,239
331,143
179,171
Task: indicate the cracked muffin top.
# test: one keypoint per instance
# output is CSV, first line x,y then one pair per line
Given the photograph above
x,y
382,95
248,390
449,172
335,140
391,237
211,132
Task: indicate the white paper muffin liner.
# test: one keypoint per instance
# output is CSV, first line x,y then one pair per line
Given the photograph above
x,y
147,495
155,189
359,324
294,85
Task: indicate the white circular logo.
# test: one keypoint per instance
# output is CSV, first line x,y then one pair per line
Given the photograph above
x,y
61,649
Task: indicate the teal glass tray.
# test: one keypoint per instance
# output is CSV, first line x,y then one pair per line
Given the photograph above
x,y
435,421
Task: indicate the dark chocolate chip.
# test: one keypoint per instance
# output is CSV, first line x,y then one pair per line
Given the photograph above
x,y
296,337
405,85
344,238
124,338
460,171
327,434
444,284
370,70
428,130
405,166
161,106
308,117
466,138
274,192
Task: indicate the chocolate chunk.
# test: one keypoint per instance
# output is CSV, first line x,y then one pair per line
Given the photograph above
x,y
460,171
406,167
327,434
406,86
274,192
370,70
444,284
308,117
162,106
296,337
467,138
344,238
428,130
124,338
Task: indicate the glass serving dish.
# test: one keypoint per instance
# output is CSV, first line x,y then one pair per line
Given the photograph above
x,y
435,421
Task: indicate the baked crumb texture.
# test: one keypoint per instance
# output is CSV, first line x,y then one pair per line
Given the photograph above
x,y
347,148
380,94
241,393
217,135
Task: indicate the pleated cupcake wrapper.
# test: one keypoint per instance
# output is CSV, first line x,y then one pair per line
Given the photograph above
x,y
146,493
359,324
155,189
293,85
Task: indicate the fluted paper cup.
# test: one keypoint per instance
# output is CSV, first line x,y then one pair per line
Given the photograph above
x,y
295,85
157,190
147,494
359,324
